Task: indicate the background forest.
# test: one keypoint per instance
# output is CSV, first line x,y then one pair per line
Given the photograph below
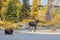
x,y
12,13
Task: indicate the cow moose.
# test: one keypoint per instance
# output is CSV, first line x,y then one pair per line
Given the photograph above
x,y
33,25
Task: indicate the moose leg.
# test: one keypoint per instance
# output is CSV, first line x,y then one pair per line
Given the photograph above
x,y
29,28
34,28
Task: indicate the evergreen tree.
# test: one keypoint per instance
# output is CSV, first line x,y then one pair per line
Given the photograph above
x,y
24,10
12,10
11,14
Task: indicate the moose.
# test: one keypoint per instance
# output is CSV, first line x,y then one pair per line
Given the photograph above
x,y
8,31
33,25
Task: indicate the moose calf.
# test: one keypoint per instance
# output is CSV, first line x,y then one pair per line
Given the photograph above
x,y
8,31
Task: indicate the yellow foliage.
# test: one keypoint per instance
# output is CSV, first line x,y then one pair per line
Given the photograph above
x,y
26,21
7,0
7,24
17,12
42,14
3,11
39,3
6,3
56,18
35,10
18,4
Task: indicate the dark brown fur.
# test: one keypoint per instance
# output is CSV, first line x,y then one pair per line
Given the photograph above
x,y
8,31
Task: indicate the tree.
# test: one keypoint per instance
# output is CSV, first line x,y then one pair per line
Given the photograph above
x,y
13,6
0,4
18,10
11,11
49,14
0,7
35,9
3,10
24,10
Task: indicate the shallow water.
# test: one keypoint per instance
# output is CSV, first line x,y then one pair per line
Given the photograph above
x,y
20,36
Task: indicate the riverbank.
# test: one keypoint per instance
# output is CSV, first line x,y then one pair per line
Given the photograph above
x,y
57,32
